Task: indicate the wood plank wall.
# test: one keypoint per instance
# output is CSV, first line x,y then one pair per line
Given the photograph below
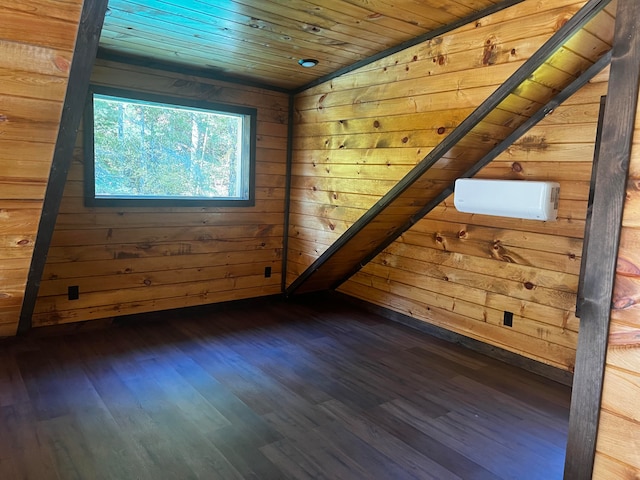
x,y
463,271
34,70
357,135
618,443
132,260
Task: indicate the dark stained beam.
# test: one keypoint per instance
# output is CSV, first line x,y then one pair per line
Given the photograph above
x,y
587,225
604,238
91,20
166,66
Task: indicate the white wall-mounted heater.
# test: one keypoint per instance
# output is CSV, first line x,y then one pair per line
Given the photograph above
x,y
507,198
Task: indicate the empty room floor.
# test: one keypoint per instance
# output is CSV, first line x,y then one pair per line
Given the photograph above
x,y
272,390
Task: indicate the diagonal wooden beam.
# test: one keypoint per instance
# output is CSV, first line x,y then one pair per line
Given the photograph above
x,y
604,237
358,231
91,20
561,97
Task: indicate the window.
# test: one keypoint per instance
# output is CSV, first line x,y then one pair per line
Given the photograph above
x,y
148,150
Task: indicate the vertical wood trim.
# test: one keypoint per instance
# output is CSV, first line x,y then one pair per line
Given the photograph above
x,y
287,194
587,226
604,238
86,46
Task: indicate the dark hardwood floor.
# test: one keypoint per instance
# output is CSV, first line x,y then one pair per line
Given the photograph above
x,y
271,391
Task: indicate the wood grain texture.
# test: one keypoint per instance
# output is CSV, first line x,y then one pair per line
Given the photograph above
x,y
34,71
602,249
271,390
132,260
270,36
617,442
86,45
451,260
468,143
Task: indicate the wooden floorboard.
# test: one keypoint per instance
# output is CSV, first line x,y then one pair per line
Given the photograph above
x,y
279,389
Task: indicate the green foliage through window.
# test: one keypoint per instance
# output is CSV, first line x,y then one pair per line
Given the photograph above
x,y
156,150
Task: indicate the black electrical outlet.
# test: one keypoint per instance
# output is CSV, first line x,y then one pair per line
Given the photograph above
x,y
73,292
508,319
267,272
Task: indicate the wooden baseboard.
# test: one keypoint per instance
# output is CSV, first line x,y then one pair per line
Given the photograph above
x,y
553,373
172,314
155,316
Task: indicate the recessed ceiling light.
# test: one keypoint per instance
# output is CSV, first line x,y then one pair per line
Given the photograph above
x,y
307,62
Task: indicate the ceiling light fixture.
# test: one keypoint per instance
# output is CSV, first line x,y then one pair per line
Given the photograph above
x,y
308,62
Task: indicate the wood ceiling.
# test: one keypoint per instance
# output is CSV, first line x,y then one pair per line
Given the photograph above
x,y
262,40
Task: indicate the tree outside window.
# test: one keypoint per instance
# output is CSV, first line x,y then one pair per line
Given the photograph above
x,y
150,150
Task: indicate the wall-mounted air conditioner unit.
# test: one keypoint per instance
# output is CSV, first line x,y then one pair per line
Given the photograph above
x,y
507,198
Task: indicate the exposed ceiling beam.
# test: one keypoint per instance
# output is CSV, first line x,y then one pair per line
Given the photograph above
x,y
114,56
89,28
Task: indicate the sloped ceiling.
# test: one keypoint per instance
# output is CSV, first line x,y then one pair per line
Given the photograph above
x,y
262,40
523,99
35,69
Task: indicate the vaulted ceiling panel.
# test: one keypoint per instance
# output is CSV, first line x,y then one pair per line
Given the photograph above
x,y
262,40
